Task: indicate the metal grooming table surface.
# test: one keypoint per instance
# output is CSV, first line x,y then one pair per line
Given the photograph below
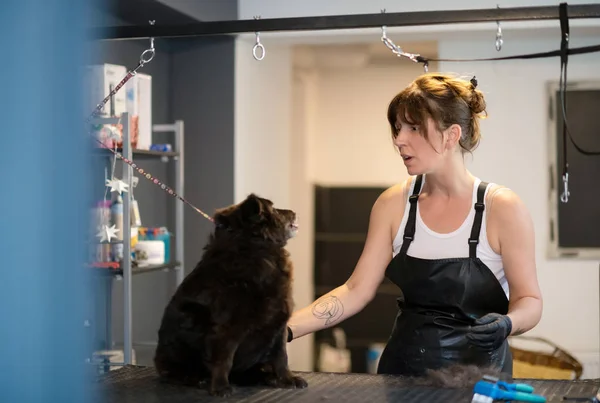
x,y
134,384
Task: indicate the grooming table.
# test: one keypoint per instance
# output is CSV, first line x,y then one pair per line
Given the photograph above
x,y
134,384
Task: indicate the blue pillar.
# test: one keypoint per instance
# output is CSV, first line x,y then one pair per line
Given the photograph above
x,y
45,170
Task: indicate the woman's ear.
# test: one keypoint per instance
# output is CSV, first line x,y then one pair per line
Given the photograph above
x,y
453,135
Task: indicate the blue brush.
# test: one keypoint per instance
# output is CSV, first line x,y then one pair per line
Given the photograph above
x,y
490,389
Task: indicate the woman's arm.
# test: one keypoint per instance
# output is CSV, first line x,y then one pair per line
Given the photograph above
x,y
351,297
516,241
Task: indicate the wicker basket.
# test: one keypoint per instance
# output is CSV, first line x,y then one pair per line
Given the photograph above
x,y
558,364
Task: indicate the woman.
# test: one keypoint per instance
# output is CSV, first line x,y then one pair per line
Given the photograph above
x,y
461,250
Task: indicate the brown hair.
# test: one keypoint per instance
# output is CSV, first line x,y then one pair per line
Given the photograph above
x,y
447,100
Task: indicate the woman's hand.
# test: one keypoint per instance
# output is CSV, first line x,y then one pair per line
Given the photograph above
x,y
490,331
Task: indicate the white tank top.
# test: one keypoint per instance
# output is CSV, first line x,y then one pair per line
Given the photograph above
x,y
428,244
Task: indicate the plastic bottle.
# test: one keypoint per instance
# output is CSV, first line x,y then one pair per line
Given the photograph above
x,y
116,211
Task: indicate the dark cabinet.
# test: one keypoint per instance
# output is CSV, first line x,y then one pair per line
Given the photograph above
x,y
341,225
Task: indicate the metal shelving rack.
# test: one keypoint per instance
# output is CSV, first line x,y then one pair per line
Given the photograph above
x,y
124,269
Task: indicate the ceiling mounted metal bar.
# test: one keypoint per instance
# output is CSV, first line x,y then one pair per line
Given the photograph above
x,y
353,21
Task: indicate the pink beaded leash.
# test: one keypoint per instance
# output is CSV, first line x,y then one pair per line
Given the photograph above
x,y
146,57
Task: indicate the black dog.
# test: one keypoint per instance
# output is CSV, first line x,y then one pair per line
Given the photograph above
x,y
227,320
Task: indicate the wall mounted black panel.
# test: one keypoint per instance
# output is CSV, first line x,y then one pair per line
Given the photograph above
x,y
579,218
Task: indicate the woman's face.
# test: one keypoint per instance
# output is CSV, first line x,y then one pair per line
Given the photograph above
x,y
422,154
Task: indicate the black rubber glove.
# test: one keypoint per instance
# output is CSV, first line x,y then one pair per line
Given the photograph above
x,y
490,331
290,335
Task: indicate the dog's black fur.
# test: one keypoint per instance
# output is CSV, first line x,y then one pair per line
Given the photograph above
x,y
227,321
457,376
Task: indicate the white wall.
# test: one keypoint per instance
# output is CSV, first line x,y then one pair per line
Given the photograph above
x,y
342,116
301,195
353,137
262,123
271,162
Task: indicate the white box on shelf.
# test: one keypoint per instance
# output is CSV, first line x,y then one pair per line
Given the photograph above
x,y
101,79
112,356
139,106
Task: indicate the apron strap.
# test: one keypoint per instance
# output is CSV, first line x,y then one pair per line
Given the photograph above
x,y
409,229
476,229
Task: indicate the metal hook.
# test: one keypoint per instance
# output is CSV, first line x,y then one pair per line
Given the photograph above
x,y
397,50
564,197
148,54
499,40
258,45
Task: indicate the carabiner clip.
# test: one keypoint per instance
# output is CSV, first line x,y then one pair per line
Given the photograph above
x,y
565,195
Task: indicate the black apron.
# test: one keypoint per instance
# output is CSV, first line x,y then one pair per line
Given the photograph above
x,y
441,300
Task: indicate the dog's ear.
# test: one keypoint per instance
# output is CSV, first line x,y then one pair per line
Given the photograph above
x,y
248,211
252,208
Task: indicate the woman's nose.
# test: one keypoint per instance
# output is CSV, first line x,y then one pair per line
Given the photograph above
x,y
400,139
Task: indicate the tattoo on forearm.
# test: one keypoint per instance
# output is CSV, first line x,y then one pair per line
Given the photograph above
x,y
329,308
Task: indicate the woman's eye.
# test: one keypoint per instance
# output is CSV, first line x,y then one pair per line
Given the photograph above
x,y
414,128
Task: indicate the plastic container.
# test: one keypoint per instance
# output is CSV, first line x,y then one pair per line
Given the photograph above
x,y
149,252
373,355
157,233
100,252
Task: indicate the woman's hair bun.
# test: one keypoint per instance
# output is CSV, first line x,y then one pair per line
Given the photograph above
x,y
477,102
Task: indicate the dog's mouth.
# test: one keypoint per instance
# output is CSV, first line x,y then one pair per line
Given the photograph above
x,y
292,229
293,224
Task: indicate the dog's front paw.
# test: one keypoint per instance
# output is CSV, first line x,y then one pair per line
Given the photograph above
x,y
299,382
288,382
220,389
